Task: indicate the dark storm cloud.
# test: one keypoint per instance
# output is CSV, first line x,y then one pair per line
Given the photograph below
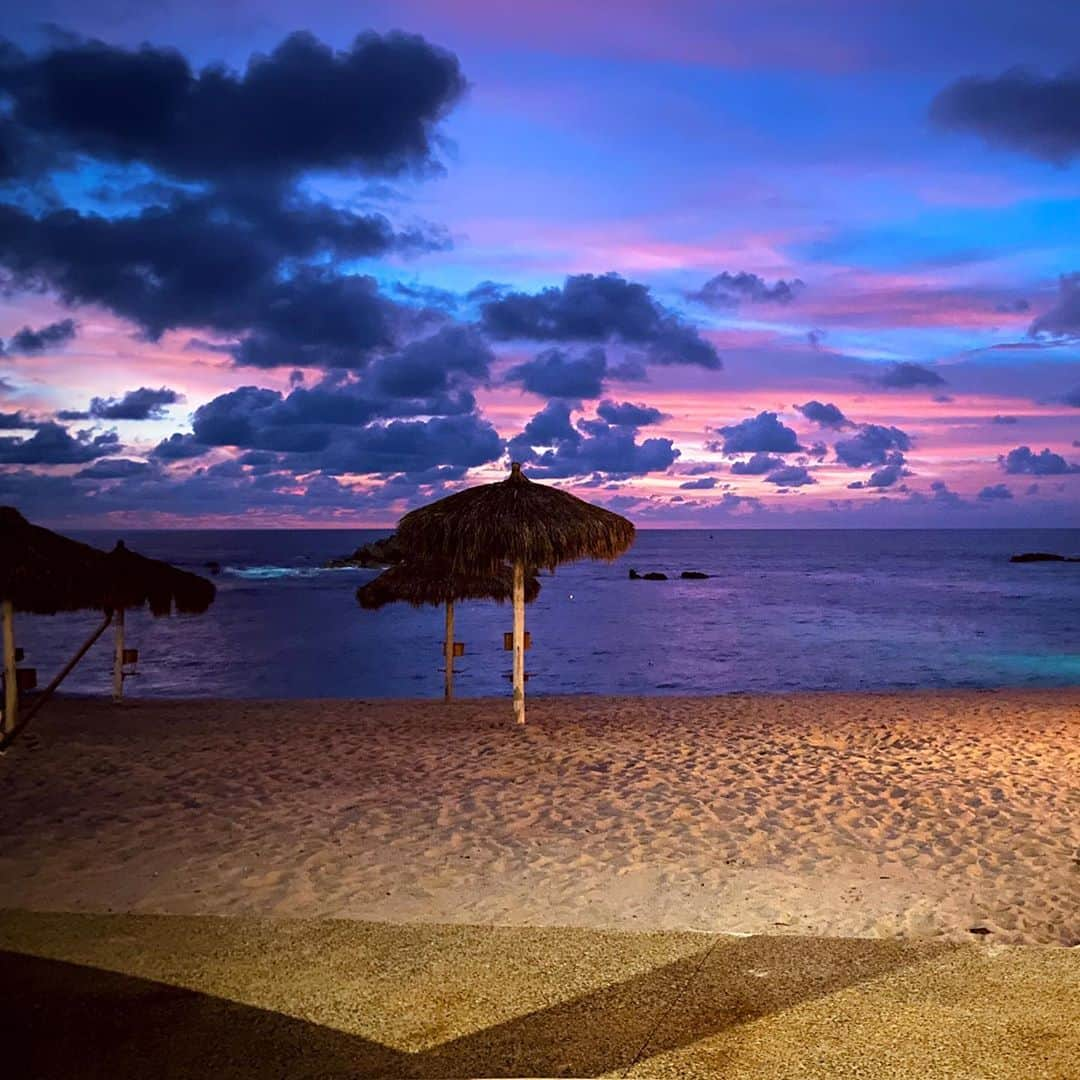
x,y
594,447
29,342
432,365
757,464
1045,463
224,237
142,404
995,492
871,445
761,432
52,444
1037,114
824,415
555,373
729,290
370,109
1063,319
704,483
790,476
628,414
598,308
904,376
179,447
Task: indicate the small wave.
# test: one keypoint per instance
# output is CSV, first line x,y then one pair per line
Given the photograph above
x,y
274,573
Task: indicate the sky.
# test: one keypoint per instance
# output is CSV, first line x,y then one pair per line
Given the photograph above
x,y
710,264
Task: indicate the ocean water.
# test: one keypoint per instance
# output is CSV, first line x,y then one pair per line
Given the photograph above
x,y
798,610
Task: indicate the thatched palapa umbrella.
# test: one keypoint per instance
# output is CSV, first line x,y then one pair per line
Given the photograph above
x,y
519,522
426,584
42,573
133,580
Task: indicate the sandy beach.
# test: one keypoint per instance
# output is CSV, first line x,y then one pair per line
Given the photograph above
x,y
917,815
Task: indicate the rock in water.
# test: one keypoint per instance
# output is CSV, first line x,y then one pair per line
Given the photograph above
x,y
693,575
370,556
654,576
1041,556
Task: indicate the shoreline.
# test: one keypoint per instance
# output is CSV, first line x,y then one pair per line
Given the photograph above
x,y
921,814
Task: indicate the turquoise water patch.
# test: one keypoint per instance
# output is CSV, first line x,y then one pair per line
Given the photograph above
x,y
1056,667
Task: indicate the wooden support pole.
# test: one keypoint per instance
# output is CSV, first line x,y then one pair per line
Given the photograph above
x,y
11,678
49,690
519,642
448,652
118,658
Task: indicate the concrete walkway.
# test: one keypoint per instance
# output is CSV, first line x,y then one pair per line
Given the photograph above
x,y
173,996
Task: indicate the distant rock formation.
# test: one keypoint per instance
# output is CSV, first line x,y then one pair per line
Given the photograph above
x,y
693,575
653,575
375,555
213,566
1042,556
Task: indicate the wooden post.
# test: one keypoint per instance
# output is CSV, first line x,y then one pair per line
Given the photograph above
x,y
519,642
118,658
11,679
448,652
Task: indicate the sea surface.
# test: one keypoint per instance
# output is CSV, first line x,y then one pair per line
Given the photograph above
x,y
781,611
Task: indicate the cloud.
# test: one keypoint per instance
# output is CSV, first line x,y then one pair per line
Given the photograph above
x,y
761,432
1021,110
904,376
555,373
52,444
727,290
790,476
1045,463
142,404
995,492
871,445
113,469
595,447
1063,319
179,447
757,465
887,476
704,483
28,342
598,308
999,419
367,109
225,237
18,421
824,415
1073,398
628,414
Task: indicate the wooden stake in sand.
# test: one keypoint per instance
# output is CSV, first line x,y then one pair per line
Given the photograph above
x,y
448,652
519,643
118,658
11,678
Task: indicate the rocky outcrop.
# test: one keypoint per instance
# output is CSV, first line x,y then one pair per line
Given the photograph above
x,y
375,555
693,575
1042,556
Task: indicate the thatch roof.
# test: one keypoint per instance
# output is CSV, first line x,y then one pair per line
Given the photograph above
x,y
513,520
43,572
132,580
419,584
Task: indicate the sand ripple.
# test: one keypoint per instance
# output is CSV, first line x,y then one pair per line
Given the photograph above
x,y
869,815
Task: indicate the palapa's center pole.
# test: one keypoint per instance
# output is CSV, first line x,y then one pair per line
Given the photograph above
x,y
519,642
118,658
11,678
448,652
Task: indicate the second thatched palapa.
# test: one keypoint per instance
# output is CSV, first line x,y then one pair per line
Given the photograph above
x,y
427,584
515,521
